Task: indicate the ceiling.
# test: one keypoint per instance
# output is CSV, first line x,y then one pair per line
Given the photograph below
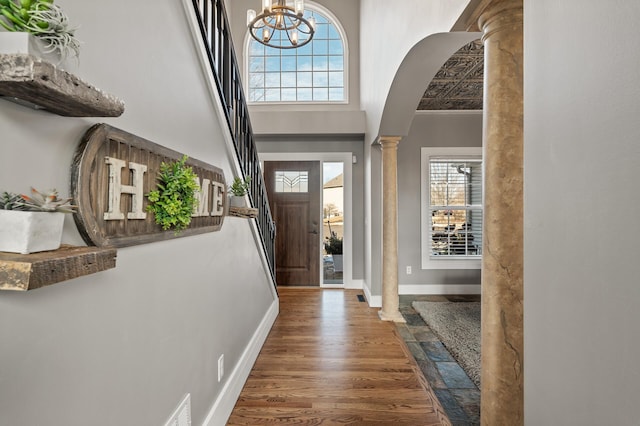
x,y
458,84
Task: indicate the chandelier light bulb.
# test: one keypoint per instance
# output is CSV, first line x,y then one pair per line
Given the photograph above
x,y
265,34
294,37
251,15
312,23
266,5
299,7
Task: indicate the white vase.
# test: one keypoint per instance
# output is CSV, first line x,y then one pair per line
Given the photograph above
x,y
26,43
235,201
29,232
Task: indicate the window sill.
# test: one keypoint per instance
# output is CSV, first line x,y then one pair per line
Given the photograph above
x,y
452,263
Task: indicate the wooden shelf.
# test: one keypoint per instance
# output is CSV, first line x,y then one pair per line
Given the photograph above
x,y
34,82
245,212
22,272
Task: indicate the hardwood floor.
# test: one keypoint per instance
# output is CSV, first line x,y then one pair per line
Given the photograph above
x,y
330,360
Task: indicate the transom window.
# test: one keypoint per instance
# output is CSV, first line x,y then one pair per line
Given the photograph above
x,y
292,181
314,72
452,205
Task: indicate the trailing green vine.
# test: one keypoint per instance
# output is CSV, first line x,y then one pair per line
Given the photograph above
x,y
174,200
45,20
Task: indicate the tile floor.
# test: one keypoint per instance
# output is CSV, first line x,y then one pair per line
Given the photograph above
x,y
458,395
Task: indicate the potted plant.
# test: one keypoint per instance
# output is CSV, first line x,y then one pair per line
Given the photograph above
x,y
43,19
238,190
30,224
333,246
174,201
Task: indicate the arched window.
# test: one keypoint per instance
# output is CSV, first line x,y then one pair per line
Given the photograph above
x,y
314,72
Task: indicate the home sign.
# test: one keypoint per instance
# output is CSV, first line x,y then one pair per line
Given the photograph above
x,y
112,173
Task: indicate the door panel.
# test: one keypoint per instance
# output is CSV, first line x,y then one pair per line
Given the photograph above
x,y
294,199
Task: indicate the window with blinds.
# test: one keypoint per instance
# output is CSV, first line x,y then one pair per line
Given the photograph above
x,y
452,205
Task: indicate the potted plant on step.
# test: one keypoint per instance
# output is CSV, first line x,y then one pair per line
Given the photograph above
x,y
30,224
238,190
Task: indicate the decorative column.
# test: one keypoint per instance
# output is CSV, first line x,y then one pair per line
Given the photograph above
x,y
390,303
502,393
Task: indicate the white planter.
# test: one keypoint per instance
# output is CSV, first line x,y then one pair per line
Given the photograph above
x,y
25,43
30,232
235,201
337,262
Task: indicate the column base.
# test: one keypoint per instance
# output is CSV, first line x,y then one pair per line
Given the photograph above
x,y
394,316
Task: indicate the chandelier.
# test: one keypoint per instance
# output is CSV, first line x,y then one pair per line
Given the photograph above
x,y
285,17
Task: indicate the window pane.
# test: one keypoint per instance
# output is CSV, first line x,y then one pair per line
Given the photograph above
x,y
288,63
321,94
322,31
292,181
304,79
273,63
256,80
336,63
272,79
336,94
304,63
289,94
272,95
336,79
320,79
288,79
333,33
320,47
456,232
256,64
256,95
256,49
320,63
305,95
335,47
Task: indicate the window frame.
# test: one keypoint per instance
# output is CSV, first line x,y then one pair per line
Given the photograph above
x,y
428,260
317,8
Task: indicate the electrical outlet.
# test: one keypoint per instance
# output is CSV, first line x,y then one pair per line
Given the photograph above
x,y
220,367
408,270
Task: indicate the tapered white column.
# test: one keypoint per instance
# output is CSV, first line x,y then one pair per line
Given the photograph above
x,y
390,303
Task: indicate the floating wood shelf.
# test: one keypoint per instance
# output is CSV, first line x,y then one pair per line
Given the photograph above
x,y
24,272
246,212
29,80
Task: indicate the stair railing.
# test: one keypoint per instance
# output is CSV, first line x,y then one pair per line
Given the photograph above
x,y
216,35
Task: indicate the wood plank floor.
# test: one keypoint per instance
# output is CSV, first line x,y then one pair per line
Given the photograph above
x,y
330,360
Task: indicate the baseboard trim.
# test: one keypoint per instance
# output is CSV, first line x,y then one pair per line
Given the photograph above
x,y
373,301
223,406
355,285
439,289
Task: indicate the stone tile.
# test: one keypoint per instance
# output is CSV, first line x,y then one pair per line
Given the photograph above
x,y
423,334
413,319
432,374
454,376
455,413
416,351
469,400
405,333
436,351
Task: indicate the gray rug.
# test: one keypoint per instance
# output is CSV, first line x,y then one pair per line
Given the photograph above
x,y
457,325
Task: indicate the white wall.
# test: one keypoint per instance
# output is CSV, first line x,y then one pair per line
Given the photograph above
x,y
582,333
123,346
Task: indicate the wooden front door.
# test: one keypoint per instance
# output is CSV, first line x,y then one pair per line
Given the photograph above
x,y
293,188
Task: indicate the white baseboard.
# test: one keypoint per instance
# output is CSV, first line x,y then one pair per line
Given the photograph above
x,y
223,406
374,301
438,289
355,285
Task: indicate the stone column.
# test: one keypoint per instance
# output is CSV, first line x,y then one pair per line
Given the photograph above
x,y
390,303
502,396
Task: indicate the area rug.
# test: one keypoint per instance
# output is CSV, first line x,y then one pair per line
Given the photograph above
x,y
457,325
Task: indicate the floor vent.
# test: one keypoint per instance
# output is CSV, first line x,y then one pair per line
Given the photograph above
x,y
182,415
361,298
